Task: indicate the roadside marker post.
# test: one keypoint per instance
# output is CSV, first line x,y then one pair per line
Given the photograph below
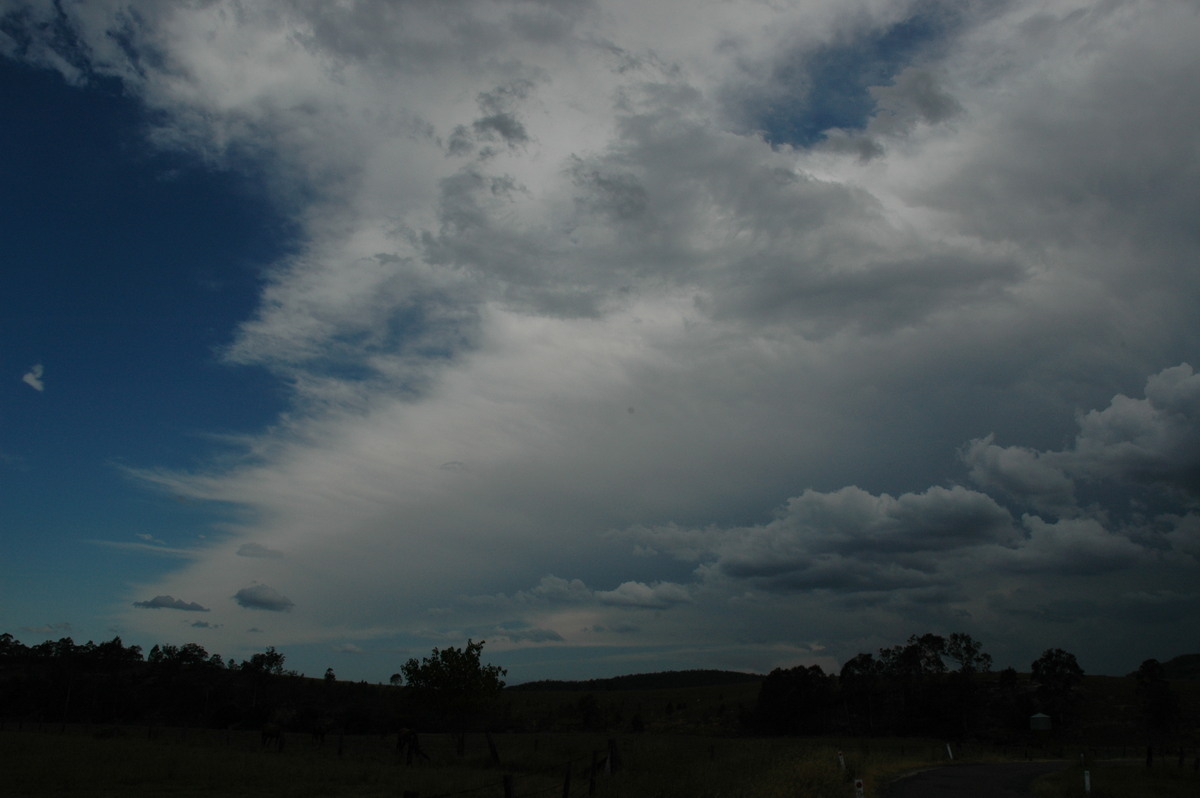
x,y
1087,782
858,788
841,760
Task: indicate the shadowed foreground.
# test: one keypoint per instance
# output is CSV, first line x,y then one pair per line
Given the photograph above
x,y
1009,780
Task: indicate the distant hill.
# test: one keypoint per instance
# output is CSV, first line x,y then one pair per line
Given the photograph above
x,y
1185,666
647,681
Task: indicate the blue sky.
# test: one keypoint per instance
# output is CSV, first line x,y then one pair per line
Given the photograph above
x,y
127,270
624,336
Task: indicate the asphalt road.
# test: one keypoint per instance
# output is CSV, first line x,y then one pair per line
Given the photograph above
x,y
1009,780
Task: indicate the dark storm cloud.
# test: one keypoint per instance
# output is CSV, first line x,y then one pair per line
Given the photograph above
x,y
262,597
170,603
1023,474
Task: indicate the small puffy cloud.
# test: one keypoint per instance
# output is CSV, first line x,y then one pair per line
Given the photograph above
x,y
204,625
348,648
659,595
262,597
33,378
259,550
170,603
556,590
531,635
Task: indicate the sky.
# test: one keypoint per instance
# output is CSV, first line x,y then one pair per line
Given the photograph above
x,y
624,336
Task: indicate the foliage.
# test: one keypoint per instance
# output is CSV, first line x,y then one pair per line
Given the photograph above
x,y
452,686
796,700
453,679
968,653
1159,704
1057,674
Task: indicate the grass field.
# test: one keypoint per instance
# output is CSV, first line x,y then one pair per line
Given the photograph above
x,y
184,763
1123,780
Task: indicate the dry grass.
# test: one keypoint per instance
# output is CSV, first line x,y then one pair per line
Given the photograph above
x,y
202,763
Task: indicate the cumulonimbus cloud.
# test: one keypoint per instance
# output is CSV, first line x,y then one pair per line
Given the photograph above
x,y
526,221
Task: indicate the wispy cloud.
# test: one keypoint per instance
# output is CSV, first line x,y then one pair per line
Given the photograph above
x,y
48,630
156,548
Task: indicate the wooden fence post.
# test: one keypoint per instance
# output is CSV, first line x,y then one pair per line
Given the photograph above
x,y
566,793
495,754
508,786
614,756
592,776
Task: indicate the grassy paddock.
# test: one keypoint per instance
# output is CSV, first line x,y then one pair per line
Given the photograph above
x,y
178,762
1122,780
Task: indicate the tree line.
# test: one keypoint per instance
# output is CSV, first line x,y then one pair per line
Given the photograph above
x,y
943,686
930,685
109,683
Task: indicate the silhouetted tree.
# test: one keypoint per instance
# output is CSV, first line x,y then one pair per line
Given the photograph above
x,y
1056,674
968,653
454,684
1159,704
795,700
268,663
858,684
